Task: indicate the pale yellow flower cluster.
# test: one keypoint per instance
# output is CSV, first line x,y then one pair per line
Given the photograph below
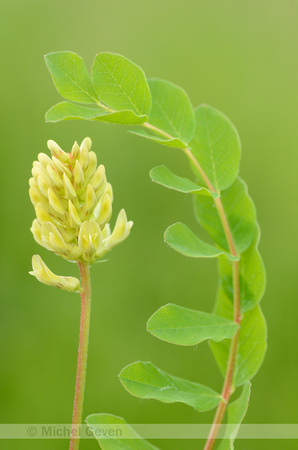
x,y
73,205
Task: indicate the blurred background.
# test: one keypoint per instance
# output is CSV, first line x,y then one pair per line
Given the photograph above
x,y
235,55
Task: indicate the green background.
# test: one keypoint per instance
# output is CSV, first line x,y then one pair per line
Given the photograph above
x,y
237,56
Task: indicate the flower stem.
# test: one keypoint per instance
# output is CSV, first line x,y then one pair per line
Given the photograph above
x,y
82,355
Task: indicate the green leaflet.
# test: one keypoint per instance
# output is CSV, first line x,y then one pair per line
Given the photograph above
x,y
252,277
183,326
236,414
173,142
252,341
70,77
171,110
121,84
183,240
162,175
216,146
122,437
68,111
145,380
240,212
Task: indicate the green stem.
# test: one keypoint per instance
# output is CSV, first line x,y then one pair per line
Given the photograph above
x,y
228,383
82,355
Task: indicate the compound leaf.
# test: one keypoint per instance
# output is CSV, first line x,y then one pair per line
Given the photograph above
x,y
216,146
183,326
121,84
145,380
71,77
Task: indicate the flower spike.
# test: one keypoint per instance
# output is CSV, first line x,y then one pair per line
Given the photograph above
x,y
73,205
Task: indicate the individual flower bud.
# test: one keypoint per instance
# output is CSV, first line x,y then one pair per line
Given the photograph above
x,y
78,175
44,184
120,233
54,202
44,159
90,198
38,169
102,211
53,240
75,151
55,178
68,188
59,246
98,177
33,183
101,190
91,166
106,232
105,210
121,230
42,213
57,151
109,190
60,167
90,239
36,231
86,144
84,157
44,275
36,196
74,218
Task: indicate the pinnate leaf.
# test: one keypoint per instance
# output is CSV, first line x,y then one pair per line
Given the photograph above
x,y
121,84
236,414
68,111
163,176
184,241
216,146
110,437
240,213
171,110
145,380
183,326
71,77
252,341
